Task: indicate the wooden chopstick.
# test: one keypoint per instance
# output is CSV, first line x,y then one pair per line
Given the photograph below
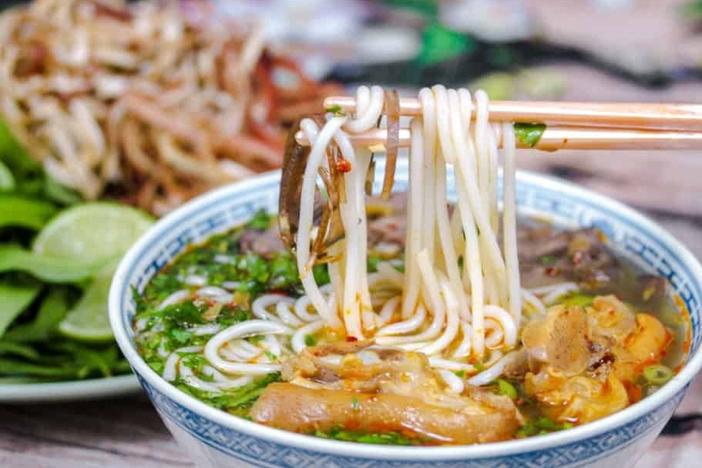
x,y
601,114
557,138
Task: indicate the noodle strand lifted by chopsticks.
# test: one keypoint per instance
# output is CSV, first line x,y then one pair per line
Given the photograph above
x,y
446,310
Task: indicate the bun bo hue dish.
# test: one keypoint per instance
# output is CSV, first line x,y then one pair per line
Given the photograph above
x,y
409,318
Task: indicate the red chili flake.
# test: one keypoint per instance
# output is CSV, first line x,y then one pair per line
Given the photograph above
x,y
343,166
351,339
552,271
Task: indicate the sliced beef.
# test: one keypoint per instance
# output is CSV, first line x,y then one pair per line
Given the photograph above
x,y
264,243
387,221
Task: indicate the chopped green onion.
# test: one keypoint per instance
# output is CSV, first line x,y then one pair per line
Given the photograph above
x,y
548,260
310,340
506,388
657,374
335,109
577,299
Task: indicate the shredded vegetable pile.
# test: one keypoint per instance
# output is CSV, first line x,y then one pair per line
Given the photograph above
x,y
149,102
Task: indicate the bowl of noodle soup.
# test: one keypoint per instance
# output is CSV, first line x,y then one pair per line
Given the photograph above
x,y
213,437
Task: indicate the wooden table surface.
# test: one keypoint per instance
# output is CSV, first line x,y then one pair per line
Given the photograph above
x,y
665,185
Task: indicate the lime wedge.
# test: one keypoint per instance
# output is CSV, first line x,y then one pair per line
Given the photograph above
x,y
98,231
88,320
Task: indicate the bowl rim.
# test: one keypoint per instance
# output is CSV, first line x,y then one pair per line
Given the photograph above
x,y
401,453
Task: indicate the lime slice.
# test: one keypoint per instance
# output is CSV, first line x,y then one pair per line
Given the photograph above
x,y
88,320
92,231
99,232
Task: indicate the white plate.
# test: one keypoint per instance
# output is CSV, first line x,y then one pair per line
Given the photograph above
x,y
54,392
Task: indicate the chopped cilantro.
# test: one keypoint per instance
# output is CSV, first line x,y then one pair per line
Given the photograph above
x,y
179,336
261,221
541,425
236,401
185,313
283,272
377,438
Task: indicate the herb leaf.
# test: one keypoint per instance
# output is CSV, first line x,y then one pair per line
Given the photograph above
x,y
529,134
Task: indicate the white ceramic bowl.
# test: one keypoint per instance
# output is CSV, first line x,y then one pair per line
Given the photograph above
x,y
214,438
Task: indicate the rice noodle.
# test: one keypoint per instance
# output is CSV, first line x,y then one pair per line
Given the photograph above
x,y
457,314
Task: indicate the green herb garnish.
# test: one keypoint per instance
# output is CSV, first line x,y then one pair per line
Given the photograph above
x,y
577,299
541,425
236,401
658,374
260,221
310,340
529,134
504,387
384,438
548,260
336,110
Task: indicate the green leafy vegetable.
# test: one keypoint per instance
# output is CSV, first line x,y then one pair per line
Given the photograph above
x,y
19,349
64,359
52,310
440,43
31,349
49,269
15,297
529,134
24,212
